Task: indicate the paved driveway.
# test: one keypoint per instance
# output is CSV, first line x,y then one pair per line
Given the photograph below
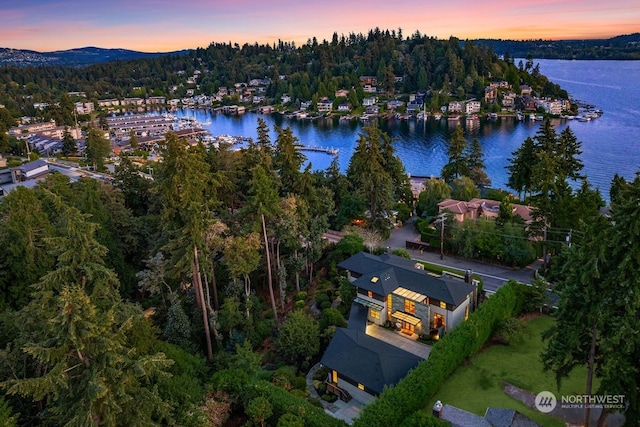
x,y
397,340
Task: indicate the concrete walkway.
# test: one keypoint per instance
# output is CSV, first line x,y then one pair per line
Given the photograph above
x,y
338,409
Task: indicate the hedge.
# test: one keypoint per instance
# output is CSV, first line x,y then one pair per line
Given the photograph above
x,y
411,393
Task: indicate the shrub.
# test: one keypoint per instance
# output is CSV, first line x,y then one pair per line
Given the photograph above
x,y
401,253
300,296
332,317
283,402
322,298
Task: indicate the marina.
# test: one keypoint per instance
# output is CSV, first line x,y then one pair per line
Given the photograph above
x,y
605,124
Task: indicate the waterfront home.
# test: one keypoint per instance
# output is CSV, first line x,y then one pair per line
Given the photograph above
x,y
325,106
456,106
370,100
418,184
508,100
285,99
490,95
472,107
393,104
372,110
156,100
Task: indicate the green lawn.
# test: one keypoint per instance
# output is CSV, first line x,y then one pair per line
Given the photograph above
x,y
479,385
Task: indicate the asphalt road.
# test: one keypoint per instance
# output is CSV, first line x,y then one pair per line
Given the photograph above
x,y
493,276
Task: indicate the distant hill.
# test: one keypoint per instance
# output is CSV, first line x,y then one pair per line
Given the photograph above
x,y
74,57
620,47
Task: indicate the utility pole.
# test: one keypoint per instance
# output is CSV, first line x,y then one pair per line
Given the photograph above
x,y
569,237
442,217
544,245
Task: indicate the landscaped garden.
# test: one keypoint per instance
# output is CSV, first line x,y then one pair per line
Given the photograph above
x,y
480,384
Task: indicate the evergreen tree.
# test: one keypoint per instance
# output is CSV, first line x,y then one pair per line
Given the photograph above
x,y
262,204
79,338
457,165
97,148
476,165
24,226
569,150
69,145
288,160
520,170
400,184
368,178
188,194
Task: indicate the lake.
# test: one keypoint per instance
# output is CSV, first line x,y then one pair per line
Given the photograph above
x,y
610,143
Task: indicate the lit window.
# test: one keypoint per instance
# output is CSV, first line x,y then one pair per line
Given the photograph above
x,y
409,306
443,304
374,314
361,387
370,294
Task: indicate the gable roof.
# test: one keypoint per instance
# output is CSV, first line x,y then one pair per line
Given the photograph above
x,y
367,360
31,166
385,273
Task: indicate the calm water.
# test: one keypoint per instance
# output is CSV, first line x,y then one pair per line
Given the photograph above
x,y
610,144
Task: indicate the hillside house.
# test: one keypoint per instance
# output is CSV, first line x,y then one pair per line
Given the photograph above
x,y
398,290
390,289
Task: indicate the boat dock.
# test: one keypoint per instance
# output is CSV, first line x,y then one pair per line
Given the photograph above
x,y
331,151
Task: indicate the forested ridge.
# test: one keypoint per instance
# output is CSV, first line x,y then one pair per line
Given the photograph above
x,y
447,68
623,47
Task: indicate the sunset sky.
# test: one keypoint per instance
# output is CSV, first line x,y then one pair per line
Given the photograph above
x,y
163,25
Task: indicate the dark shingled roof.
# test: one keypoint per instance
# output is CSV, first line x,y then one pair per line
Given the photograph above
x,y
494,417
394,271
28,167
367,360
358,317
461,418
